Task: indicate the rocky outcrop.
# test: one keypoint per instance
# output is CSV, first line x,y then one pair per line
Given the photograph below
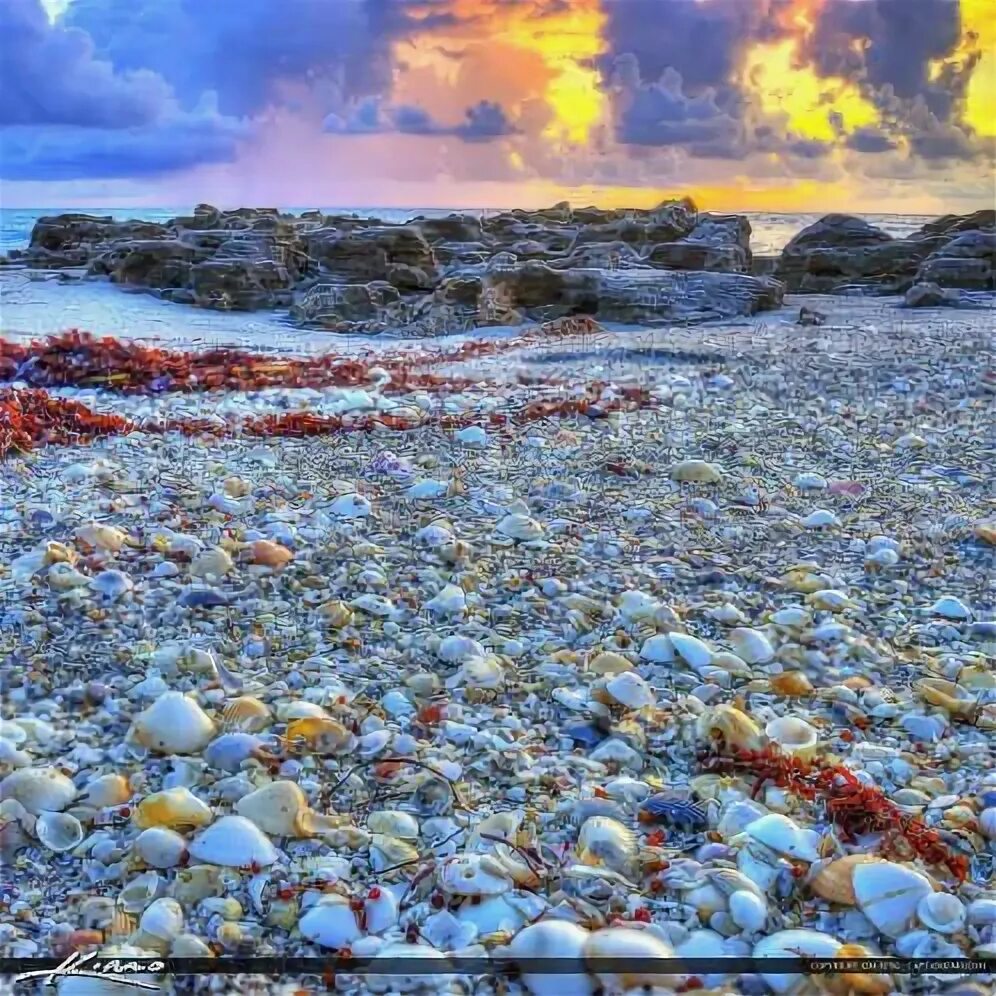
x,y
339,306
366,254
717,242
840,253
927,295
636,296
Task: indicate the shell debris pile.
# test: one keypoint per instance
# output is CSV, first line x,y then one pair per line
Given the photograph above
x,y
703,667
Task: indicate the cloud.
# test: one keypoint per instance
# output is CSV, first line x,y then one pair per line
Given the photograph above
x,y
483,122
870,140
241,48
65,114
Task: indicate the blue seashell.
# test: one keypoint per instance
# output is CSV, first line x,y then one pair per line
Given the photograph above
x,y
203,598
585,734
677,812
988,799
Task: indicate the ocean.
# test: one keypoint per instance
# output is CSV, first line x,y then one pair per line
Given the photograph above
x,y
770,230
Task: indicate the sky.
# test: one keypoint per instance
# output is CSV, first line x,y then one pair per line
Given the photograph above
x,y
885,106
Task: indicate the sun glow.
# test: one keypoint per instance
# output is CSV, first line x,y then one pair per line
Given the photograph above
x,y
978,42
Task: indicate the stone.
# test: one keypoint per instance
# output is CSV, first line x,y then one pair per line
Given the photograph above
x,y
718,242
153,263
239,285
929,295
966,261
365,255
333,305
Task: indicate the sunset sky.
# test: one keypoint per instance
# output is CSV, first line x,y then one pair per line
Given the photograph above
x,y
796,105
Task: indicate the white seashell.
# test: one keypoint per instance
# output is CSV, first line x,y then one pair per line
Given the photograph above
x,y
427,489
810,482
393,823
793,616
702,944
27,565
552,939
636,605
452,600
440,980
951,608
172,807
330,923
478,672
982,912
630,690
752,645
233,841
163,919
38,789
657,649
474,875
351,506
520,527
748,911
987,823
160,847
697,472
830,600
58,831
65,577
371,744
605,841
727,613
174,724
456,649
281,809
793,944
214,563
888,894
942,912
822,518
624,944
380,910
794,736
691,649
102,537
446,933
780,834
434,535
472,435
140,891
883,558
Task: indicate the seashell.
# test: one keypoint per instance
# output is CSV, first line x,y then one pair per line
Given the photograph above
x,y
794,617
822,518
229,751
986,531
608,662
393,823
987,823
173,808
281,809
162,919
657,649
140,892
233,841
552,939
736,729
748,911
322,735
335,614
521,527
833,880
455,649
330,923
622,944
889,894
951,608
390,852
371,744
101,537
111,584
236,487
269,554
189,946
416,982
247,714
479,672
830,600
942,912
793,736
696,472
730,663
451,600
351,506
474,875
59,553
793,944
173,724
38,789
212,564
791,684
780,834
630,690
859,982
380,911
58,831
605,841
65,577
691,649
161,847
727,613
752,645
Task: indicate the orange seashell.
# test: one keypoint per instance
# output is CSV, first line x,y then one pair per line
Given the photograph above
x,y
791,684
270,554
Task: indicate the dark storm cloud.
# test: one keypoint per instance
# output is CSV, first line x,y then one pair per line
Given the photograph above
x,y
239,48
483,122
66,114
870,140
